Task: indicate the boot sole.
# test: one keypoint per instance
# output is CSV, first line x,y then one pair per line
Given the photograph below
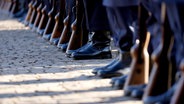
x,y
99,56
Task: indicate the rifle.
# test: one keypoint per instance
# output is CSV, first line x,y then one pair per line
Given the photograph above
x,y
34,13
175,12
58,28
38,17
50,24
65,35
160,78
179,93
139,69
43,21
76,41
28,16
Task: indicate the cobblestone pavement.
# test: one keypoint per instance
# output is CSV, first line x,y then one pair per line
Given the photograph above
x,y
34,72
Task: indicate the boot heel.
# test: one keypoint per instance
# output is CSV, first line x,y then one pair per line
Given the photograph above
x,y
105,55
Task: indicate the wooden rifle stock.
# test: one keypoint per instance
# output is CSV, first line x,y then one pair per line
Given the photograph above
x,y
58,28
38,17
43,21
178,97
50,24
176,11
160,78
34,14
65,35
77,32
140,64
29,13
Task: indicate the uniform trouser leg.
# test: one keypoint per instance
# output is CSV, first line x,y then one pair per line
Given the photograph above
x,y
119,19
99,32
96,17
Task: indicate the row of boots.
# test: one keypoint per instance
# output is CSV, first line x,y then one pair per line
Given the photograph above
x,y
63,25
53,23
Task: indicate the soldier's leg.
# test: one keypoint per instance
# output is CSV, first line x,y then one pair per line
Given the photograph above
x,y
120,18
97,24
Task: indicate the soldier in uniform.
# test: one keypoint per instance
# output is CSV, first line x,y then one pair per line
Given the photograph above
x,y
98,45
175,18
121,15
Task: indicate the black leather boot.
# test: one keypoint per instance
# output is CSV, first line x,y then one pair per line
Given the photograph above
x,y
90,35
97,48
62,47
117,68
138,92
118,82
94,71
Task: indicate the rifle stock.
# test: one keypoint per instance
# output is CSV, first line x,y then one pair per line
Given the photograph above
x,y
43,21
65,35
160,78
58,28
75,41
28,16
178,97
38,17
140,63
51,22
34,14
